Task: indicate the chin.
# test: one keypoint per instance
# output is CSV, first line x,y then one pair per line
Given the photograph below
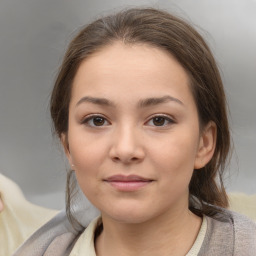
x,y
130,219
129,216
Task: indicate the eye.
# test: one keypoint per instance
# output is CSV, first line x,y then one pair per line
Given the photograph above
x,y
160,121
95,121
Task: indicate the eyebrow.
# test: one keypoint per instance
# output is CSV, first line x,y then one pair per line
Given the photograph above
x,y
155,101
141,104
97,101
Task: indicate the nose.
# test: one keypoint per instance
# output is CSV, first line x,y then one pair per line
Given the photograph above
x,y
127,146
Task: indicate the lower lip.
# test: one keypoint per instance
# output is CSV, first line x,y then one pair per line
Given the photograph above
x,y
128,185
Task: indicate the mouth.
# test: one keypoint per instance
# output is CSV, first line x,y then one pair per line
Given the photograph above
x,y
128,183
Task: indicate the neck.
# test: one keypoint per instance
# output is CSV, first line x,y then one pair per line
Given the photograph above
x,y
164,235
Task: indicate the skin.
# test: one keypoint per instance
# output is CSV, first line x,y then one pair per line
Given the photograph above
x,y
154,219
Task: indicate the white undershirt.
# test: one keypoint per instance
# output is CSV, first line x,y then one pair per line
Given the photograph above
x,y
199,240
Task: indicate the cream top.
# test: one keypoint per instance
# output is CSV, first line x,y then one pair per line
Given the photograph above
x,y
85,243
19,218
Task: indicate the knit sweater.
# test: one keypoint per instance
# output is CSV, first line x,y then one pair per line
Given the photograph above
x,y
233,236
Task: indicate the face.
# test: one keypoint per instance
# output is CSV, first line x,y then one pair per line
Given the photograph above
x,y
133,136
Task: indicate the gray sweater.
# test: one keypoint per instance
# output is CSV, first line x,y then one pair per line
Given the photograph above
x,y
235,235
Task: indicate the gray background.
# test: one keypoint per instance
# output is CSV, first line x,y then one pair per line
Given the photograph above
x,y
33,37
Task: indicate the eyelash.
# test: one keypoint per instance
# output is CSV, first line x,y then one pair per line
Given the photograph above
x,y
91,118
167,120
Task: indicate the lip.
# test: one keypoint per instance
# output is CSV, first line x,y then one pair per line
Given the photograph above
x,y
128,183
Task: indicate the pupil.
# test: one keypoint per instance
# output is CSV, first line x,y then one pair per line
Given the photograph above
x,y
158,121
98,121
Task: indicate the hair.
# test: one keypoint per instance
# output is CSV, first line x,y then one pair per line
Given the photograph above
x,y
159,29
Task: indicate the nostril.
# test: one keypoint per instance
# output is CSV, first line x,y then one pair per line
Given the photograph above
x,y
128,160
116,159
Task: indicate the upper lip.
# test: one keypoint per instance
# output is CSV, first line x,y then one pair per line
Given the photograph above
x,y
126,178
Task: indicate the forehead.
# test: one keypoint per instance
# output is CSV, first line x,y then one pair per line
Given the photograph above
x,y
137,68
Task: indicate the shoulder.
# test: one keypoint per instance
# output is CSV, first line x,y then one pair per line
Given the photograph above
x,y
244,234
241,224
229,233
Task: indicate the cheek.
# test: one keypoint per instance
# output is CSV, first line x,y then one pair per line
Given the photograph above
x,y
176,151
86,162
174,161
85,158
84,148
88,152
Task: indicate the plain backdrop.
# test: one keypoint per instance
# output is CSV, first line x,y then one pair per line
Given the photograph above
x,y
33,37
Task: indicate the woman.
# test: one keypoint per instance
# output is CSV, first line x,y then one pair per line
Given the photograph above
x,y
140,109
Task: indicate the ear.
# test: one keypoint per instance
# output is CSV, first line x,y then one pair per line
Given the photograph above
x,y
65,144
207,144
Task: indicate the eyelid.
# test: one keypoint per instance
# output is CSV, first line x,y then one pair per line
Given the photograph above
x,y
166,116
89,117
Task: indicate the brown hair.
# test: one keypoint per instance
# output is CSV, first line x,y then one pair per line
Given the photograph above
x,y
165,31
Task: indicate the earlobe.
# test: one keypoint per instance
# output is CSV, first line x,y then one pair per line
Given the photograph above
x,y
206,146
